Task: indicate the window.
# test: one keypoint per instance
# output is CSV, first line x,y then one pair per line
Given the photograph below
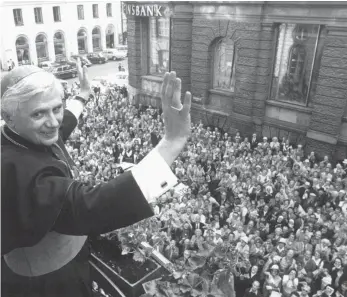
x,y
96,35
23,51
110,36
224,57
109,9
82,41
298,51
56,13
159,45
163,27
95,11
38,15
17,15
41,48
59,46
80,12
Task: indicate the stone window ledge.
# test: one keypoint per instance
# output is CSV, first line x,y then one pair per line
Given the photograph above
x,y
320,136
289,106
221,92
153,78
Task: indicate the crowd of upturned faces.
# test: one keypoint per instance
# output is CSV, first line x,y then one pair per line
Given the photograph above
x,y
283,210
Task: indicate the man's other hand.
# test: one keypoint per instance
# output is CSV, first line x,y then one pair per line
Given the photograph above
x,y
85,90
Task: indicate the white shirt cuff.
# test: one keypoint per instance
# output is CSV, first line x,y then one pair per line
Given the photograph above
x,y
153,176
75,106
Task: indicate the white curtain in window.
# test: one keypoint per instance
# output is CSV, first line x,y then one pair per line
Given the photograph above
x,y
224,64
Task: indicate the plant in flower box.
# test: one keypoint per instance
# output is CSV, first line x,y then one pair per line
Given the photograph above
x,y
207,272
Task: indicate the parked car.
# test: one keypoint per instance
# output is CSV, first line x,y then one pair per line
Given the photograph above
x,y
84,60
122,49
97,58
118,78
65,71
47,65
114,54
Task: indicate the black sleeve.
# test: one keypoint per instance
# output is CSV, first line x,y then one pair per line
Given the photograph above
x,y
103,208
34,202
69,124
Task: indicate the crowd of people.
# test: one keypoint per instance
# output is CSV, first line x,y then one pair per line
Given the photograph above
x,y
283,211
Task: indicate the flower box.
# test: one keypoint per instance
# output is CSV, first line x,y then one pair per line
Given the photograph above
x,y
104,281
148,271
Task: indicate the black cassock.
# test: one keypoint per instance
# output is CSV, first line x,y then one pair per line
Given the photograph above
x,y
40,197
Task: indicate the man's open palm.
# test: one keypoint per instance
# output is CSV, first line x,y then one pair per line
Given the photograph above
x,y
176,116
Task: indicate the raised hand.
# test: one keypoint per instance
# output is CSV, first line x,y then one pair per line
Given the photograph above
x,y
176,118
176,115
83,78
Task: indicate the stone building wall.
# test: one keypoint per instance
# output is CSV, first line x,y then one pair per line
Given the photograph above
x,y
181,44
134,51
254,43
321,126
330,100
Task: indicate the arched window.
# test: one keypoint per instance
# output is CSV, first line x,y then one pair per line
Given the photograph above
x,y
82,41
110,42
96,39
224,57
22,49
59,46
41,48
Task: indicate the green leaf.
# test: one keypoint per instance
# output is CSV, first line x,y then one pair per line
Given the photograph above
x,y
192,280
150,287
224,281
195,293
196,262
125,250
215,292
139,257
185,288
175,289
178,274
205,285
206,251
168,289
219,252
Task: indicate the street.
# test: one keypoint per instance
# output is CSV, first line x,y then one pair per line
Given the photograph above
x,y
102,69
97,69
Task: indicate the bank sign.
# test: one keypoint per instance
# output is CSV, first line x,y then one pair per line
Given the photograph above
x,y
151,10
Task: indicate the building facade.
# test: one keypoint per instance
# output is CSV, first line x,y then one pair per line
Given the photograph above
x,y
36,31
274,68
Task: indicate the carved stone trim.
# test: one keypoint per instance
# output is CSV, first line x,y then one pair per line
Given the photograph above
x,y
337,31
216,112
285,125
281,104
222,92
321,137
342,141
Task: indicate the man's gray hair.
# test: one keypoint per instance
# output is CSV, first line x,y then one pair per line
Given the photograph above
x,y
28,87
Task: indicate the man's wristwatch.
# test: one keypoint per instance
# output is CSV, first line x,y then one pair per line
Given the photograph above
x,y
83,100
